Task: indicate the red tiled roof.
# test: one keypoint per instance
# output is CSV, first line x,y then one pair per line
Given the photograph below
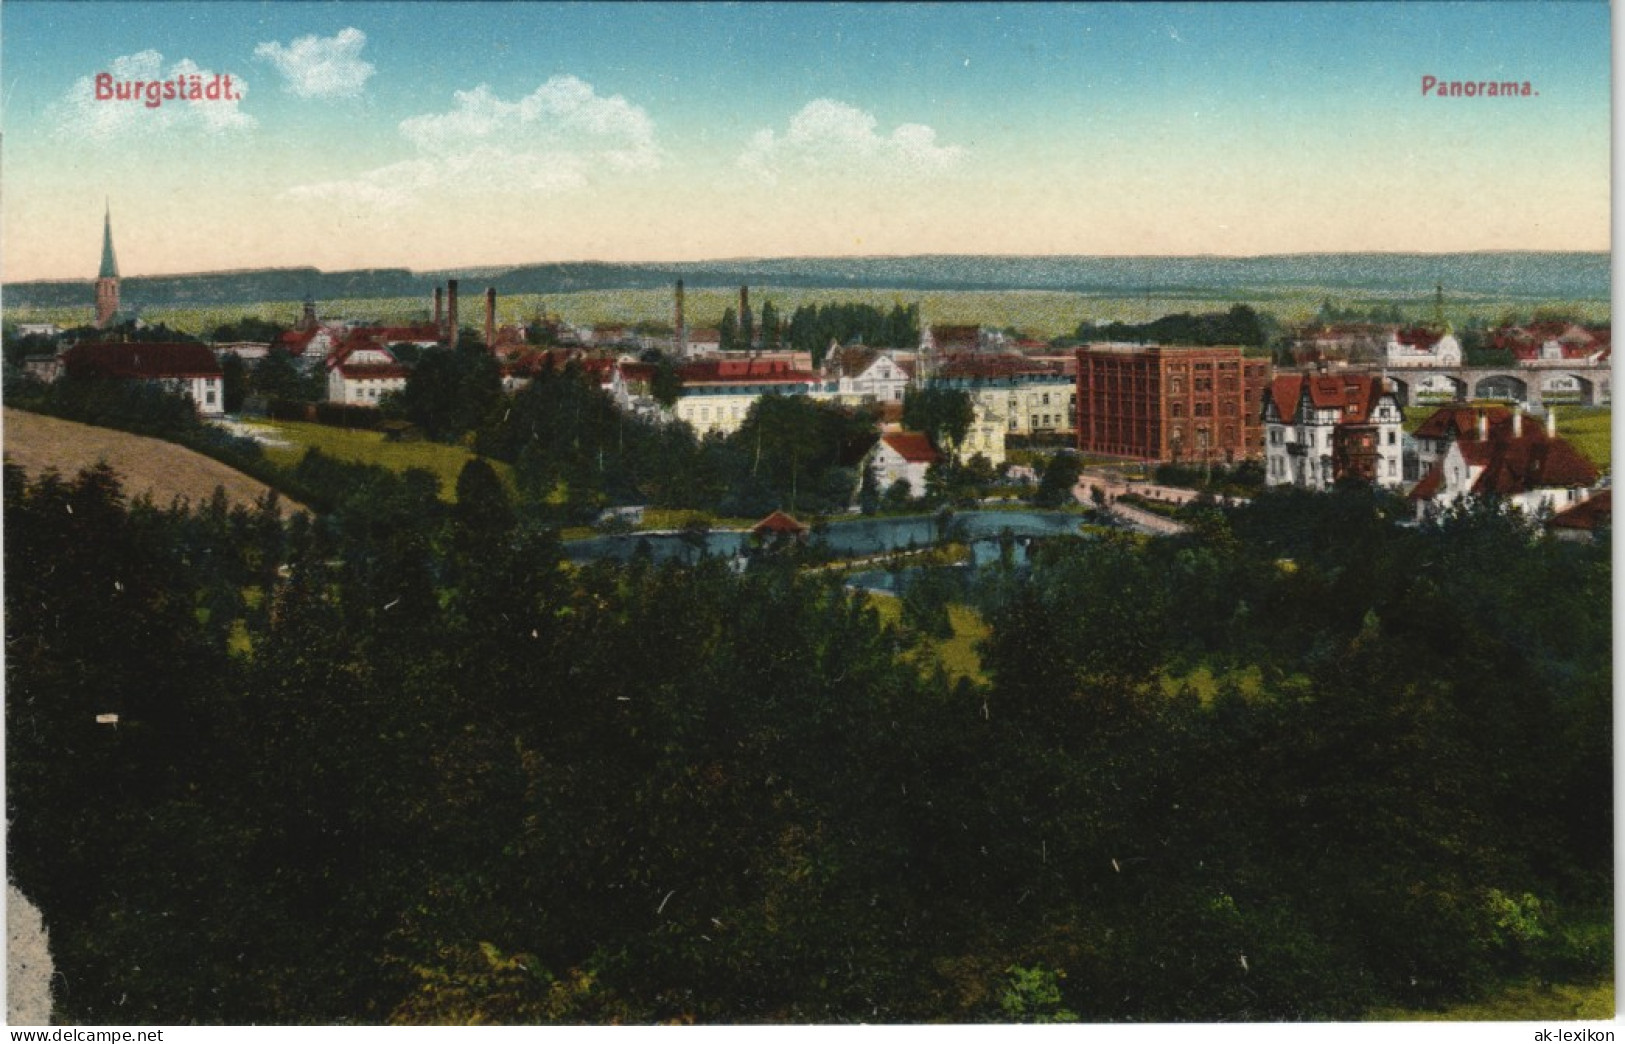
x,y
956,334
1339,391
778,522
1461,422
1418,337
296,341
136,360
743,371
912,446
1588,514
994,366
1425,489
1527,463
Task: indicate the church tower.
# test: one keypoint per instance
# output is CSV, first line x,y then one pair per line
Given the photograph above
x,y
107,277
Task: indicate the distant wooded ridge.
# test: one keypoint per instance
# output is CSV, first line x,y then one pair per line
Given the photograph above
x,y
1497,275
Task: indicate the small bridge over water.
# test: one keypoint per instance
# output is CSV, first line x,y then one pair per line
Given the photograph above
x,y
1530,383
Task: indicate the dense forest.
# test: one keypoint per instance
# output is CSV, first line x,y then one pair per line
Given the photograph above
x,y
401,763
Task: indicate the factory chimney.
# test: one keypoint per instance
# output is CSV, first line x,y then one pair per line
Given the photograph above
x,y
451,312
439,312
490,318
682,331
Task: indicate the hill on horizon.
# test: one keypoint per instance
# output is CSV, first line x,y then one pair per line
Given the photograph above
x,y
1522,275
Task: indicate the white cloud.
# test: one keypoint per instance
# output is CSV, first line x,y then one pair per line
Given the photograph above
x,y
831,136
561,137
80,114
314,67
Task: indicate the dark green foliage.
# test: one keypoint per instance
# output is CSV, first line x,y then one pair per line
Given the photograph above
x,y
1056,485
945,414
1240,325
248,328
812,328
454,780
234,381
278,376
452,393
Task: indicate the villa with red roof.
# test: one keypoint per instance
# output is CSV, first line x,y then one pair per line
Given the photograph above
x,y
1421,346
902,456
1510,461
1323,427
361,373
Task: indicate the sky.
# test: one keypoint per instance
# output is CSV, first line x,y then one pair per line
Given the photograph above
x,y
433,135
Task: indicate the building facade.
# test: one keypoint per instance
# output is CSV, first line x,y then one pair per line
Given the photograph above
x,y
717,394
1032,397
1319,428
1179,405
184,367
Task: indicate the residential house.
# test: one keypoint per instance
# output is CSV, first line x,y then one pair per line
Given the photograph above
x,y
1554,341
1319,428
1585,520
902,456
1518,464
1423,346
866,375
362,374
187,367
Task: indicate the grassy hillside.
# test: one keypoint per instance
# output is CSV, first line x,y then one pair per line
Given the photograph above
x,y
153,467
288,441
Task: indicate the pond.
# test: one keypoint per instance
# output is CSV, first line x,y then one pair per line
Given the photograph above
x,y
851,539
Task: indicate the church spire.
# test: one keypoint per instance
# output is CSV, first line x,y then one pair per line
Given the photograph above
x,y
109,262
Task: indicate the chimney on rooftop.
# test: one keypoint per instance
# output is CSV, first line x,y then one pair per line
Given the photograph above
x,y
1517,423
1551,422
490,317
1483,426
451,312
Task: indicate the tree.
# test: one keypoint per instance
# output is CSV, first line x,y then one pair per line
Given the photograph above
x,y
234,382
728,330
277,376
1055,486
770,327
869,491
945,414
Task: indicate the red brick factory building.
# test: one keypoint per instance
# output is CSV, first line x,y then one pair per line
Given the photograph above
x,y
1183,405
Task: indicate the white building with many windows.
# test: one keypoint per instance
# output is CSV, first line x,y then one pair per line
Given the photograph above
x,y
1319,428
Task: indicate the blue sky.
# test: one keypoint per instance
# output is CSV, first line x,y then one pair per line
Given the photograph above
x,y
432,134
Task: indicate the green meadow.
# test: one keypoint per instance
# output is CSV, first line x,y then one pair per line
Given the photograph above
x,y
370,447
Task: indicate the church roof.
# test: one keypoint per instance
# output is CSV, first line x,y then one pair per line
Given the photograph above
x,y
109,269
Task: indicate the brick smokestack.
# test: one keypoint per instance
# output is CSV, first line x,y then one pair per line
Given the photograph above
x,y
490,317
439,311
682,332
451,312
